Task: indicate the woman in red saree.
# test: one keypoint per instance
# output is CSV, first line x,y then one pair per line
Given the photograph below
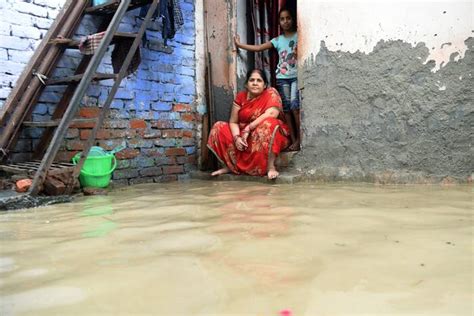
x,y
255,134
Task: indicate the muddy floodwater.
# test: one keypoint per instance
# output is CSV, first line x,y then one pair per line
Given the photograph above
x,y
242,248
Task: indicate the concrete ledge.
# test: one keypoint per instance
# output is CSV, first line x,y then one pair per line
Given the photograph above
x,y
284,178
11,200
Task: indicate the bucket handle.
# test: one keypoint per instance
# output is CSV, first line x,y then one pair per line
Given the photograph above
x,y
100,174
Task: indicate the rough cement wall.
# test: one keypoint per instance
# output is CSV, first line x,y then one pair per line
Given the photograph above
x,y
386,117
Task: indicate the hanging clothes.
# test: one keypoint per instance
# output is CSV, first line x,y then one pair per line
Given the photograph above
x,y
171,18
122,47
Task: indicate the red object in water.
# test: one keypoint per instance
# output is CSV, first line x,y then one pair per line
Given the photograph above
x,y
23,185
286,312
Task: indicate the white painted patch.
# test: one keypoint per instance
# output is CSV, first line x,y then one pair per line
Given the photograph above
x,y
460,77
352,26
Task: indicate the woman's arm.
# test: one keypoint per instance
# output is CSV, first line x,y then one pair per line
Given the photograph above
x,y
252,48
271,112
239,142
234,120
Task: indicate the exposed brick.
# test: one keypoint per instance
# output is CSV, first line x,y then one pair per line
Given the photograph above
x,y
142,162
116,124
65,155
171,133
117,133
137,124
175,152
125,174
162,124
160,161
167,178
89,112
82,125
127,153
150,172
140,143
170,142
188,133
152,134
141,180
123,164
182,108
152,152
74,145
101,134
72,133
109,144
185,141
188,117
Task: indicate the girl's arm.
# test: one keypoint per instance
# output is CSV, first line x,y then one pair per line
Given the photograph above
x,y
252,48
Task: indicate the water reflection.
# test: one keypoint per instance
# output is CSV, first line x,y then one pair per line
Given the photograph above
x,y
217,248
99,206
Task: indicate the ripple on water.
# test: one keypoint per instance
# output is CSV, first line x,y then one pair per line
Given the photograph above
x,y
40,298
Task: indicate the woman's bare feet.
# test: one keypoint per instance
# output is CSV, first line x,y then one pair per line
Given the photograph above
x,y
272,174
220,171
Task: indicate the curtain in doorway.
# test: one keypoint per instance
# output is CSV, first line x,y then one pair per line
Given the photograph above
x,y
265,27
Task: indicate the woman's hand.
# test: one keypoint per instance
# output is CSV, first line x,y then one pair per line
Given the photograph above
x,y
240,143
246,133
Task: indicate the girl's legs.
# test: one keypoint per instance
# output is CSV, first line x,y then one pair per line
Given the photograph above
x,y
289,122
272,172
284,89
295,115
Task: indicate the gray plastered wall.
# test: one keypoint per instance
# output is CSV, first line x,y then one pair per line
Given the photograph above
x,y
386,117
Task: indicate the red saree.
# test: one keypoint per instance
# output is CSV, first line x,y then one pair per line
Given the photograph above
x,y
270,134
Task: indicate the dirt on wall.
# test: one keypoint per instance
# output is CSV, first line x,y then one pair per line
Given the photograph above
x,y
386,117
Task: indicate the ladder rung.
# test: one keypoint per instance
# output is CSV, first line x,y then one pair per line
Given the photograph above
x,y
56,122
72,43
111,6
65,41
77,78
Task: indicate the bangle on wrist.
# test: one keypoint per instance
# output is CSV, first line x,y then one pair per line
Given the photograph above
x,y
235,137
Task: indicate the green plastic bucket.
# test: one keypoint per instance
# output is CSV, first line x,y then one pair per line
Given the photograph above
x,y
96,170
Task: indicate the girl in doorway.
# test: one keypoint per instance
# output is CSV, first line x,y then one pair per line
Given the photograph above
x,y
286,72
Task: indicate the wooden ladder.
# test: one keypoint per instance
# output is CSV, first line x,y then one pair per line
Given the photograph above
x,y
24,97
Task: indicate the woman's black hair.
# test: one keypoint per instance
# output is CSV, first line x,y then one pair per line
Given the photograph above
x,y
260,72
292,14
